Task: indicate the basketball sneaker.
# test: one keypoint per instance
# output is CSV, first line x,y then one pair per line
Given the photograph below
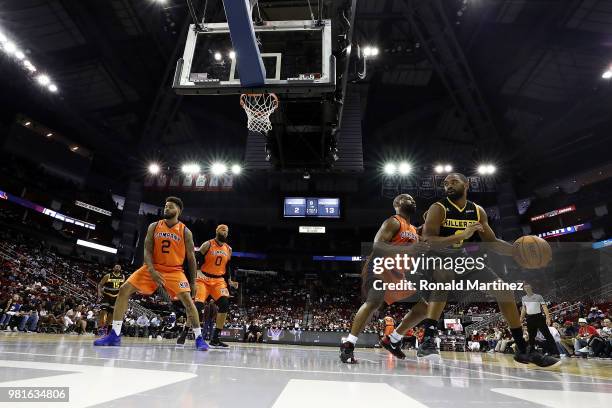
x,y
543,361
427,349
181,338
216,343
392,347
201,344
585,350
522,358
111,339
347,353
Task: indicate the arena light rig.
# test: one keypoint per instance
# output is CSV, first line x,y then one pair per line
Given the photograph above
x,y
12,50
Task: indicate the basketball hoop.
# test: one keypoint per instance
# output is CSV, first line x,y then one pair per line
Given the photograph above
x,y
258,108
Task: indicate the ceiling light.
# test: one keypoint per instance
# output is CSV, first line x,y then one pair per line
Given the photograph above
x,y
53,88
218,169
390,169
43,80
236,169
10,47
486,169
190,168
404,168
154,168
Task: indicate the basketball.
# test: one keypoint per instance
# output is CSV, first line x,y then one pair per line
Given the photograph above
x,y
532,252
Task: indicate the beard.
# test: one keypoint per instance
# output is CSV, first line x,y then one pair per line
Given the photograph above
x,y
455,195
169,215
221,238
409,208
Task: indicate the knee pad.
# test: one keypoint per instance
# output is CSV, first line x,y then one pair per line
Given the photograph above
x,y
223,304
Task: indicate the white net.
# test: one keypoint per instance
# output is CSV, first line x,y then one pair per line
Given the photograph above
x,y
258,108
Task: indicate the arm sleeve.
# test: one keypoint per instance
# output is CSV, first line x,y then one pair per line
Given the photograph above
x,y
228,272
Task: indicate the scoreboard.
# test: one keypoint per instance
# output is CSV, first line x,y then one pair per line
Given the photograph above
x,y
310,207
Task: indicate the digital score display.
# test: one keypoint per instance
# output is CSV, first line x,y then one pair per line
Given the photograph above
x,y
308,207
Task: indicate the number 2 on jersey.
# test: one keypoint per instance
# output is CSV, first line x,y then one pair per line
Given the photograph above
x,y
166,246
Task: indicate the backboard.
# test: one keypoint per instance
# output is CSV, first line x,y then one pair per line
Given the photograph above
x,y
297,56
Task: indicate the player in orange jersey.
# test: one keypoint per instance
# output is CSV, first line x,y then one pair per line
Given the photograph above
x,y
388,325
396,230
167,244
214,277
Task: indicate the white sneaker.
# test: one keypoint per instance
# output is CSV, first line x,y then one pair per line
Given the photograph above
x,y
585,350
15,329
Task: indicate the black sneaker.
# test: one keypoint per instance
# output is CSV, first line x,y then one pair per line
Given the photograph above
x,y
543,361
428,349
216,343
347,350
181,338
522,358
392,347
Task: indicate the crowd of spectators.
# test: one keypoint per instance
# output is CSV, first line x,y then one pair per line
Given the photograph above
x,y
575,336
42,291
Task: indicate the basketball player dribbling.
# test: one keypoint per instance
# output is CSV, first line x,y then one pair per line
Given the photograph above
x,y
167,244
448,224
396,230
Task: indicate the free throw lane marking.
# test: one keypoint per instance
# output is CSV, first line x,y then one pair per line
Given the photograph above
x,y
90,385
559,398
318,393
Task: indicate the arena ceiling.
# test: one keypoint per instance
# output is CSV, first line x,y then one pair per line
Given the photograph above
x,y
516,81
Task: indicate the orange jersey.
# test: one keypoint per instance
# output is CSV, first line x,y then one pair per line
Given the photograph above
x,y
216,258
406,234
389,325
168,246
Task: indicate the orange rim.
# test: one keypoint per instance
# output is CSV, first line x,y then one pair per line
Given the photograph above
x,y
273,95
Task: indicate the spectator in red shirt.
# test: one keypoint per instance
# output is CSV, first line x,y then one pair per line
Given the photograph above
x,y
585,333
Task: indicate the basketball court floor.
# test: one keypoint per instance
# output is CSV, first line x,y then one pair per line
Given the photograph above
x,y
156,373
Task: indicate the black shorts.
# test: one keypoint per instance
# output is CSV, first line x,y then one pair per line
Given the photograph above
x,y
108,302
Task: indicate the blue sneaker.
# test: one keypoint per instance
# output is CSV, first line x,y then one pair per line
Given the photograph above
x,y
111,339
201,343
